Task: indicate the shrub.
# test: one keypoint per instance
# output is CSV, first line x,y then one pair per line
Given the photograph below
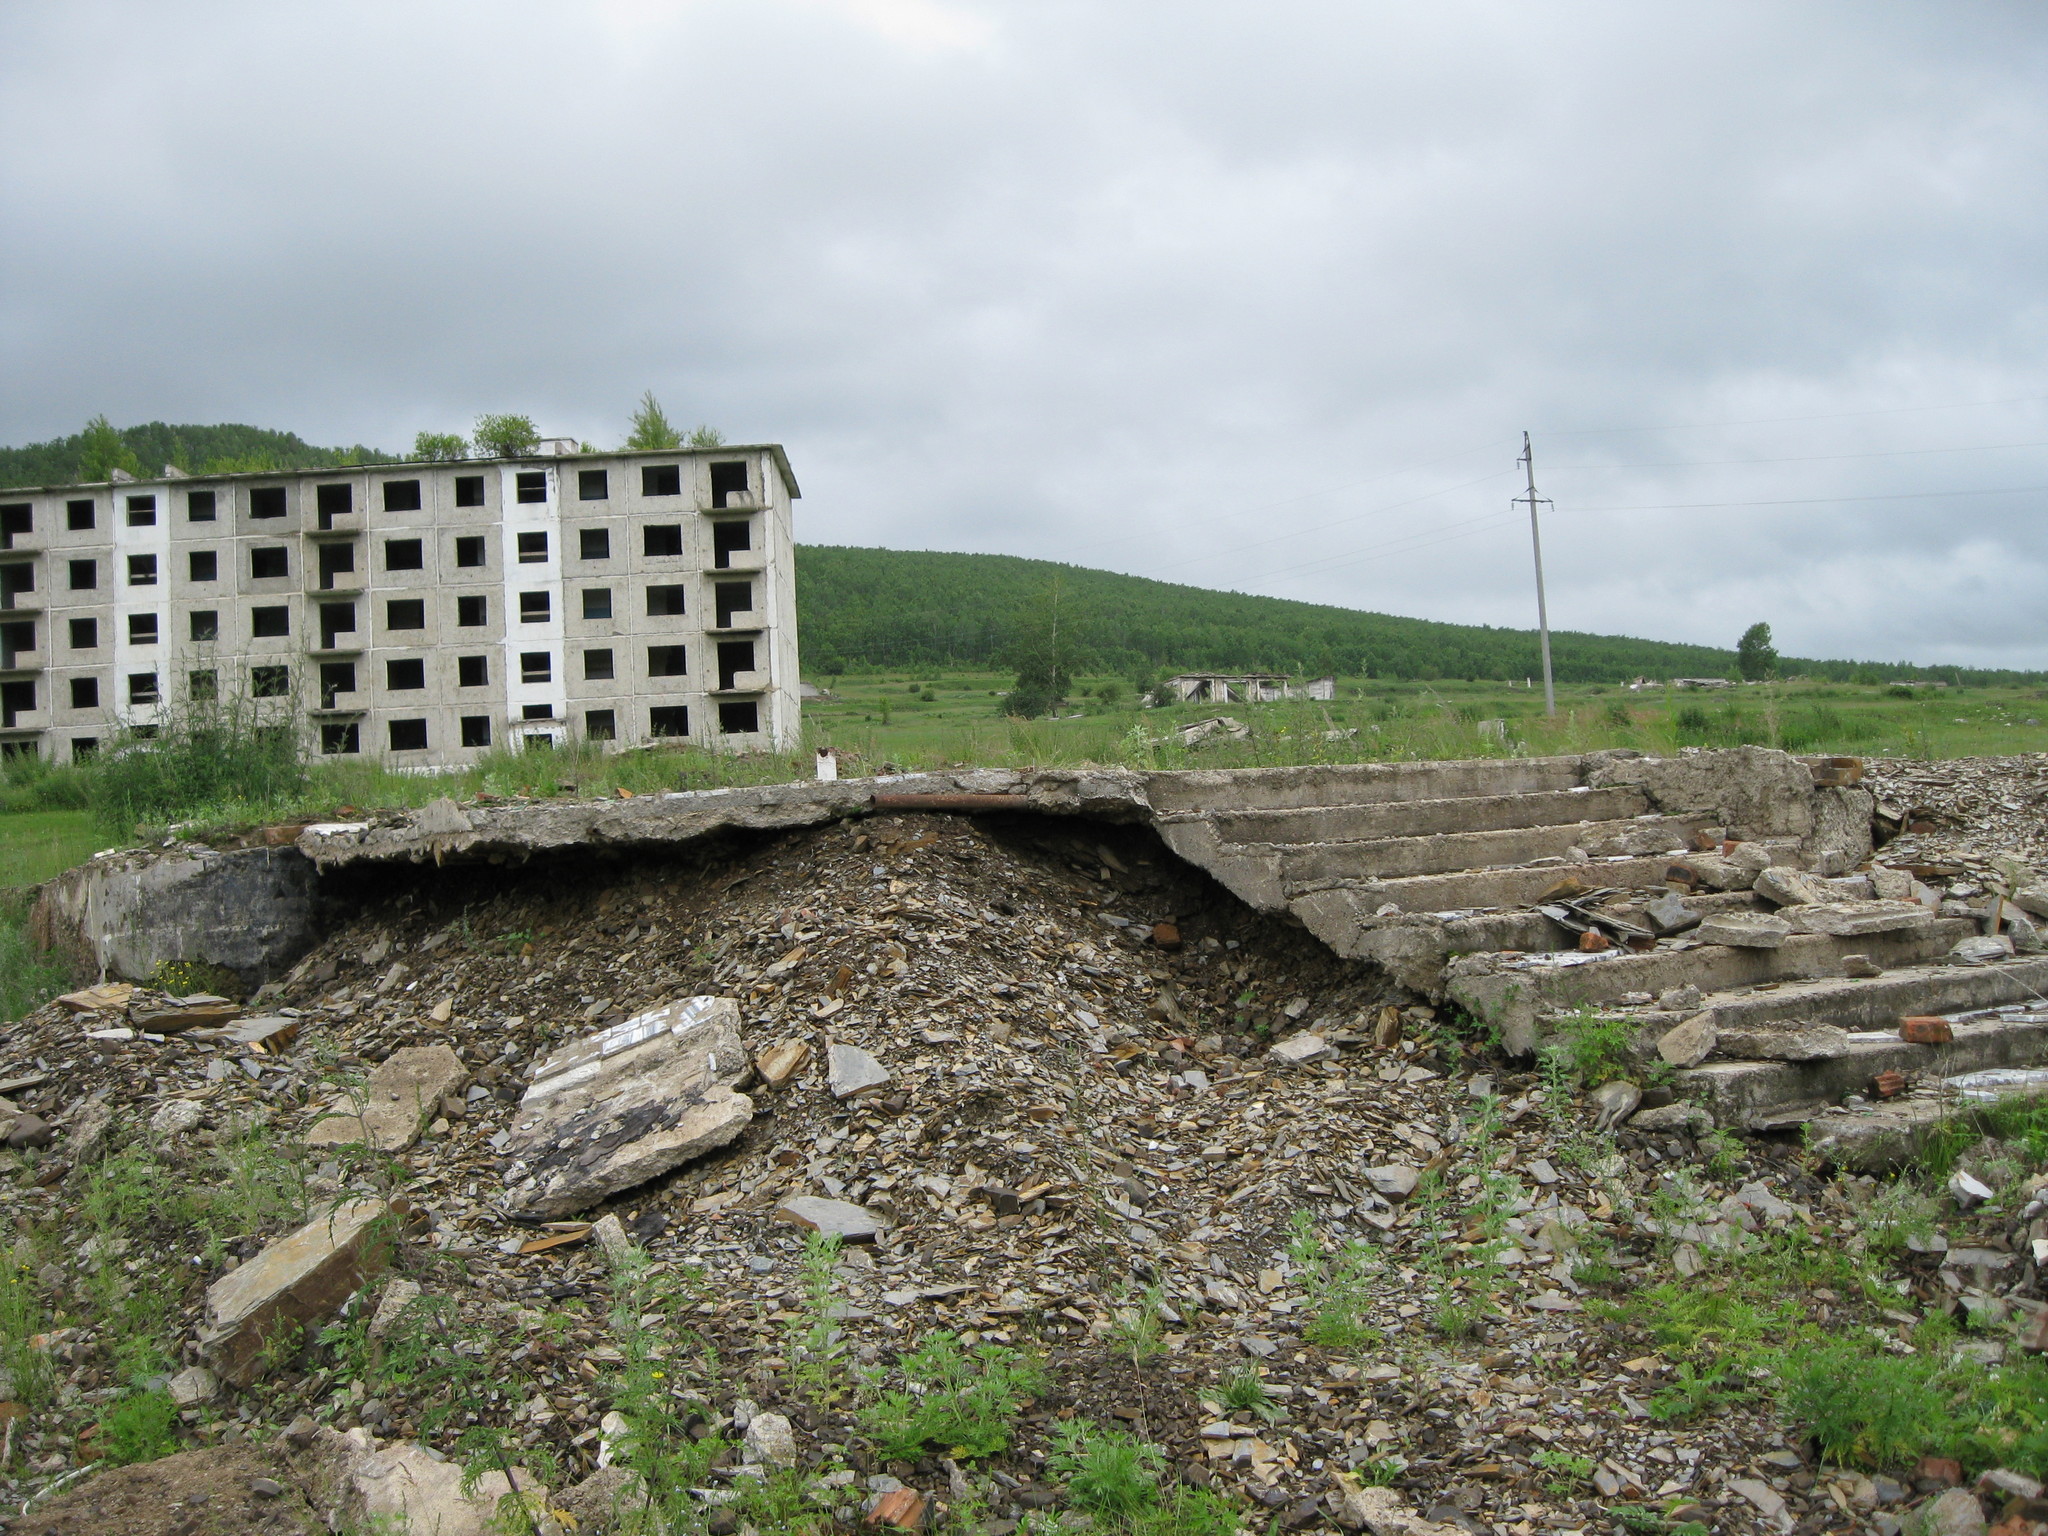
x,y
963,1401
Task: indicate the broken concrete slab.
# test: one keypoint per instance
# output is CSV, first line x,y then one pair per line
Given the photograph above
x,y
1851,919
1790,1040
1668,915
851,1071
835,1218
295,1281
1790,887
1690,1043
401,1487
618,1107
398,1099
1743,930
1985,949
1302,1049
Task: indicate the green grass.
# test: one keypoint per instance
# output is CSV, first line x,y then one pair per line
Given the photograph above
x,y
966,1402
35,845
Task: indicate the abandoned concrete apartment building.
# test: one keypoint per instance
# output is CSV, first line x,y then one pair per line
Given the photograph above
x,y
423,612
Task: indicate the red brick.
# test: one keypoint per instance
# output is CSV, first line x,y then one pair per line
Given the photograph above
x,y
1924,1030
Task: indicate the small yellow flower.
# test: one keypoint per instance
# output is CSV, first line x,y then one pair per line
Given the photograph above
x,y
660,1376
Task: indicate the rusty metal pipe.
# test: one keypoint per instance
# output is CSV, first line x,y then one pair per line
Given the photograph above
x,y
970,804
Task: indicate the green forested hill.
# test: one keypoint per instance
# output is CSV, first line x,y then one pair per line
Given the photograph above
x,y
922,609
222,449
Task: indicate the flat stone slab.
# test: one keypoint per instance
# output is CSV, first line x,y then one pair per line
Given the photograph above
x,y
1743,930
400,1096
1299,1050
849,1070
1849,919
400,1487
1789,1041
1689,1043
835,1218
619,1107
295,1281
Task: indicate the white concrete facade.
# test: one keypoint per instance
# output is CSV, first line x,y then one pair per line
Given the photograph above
x,y
421,613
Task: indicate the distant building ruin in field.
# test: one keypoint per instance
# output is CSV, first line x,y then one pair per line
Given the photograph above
x,y
1241,688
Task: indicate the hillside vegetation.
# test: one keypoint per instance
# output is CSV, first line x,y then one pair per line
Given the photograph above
x,y
225,449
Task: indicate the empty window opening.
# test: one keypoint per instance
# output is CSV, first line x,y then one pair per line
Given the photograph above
x,y
406,613
141,511
600,725
202,687
79,516
205,624
666,661
83,747
404,555
85,575
734,657
734,598
142,688
593,485
15,639
344,738
597,602
202,506
336,678
142,570
472,671
469,490
538,741
336,561
16,700
18,579
661,480
535,608
668,720
665,602
333,501
597,666
85,634
269,562
266,501
142,629
536,712
85,693
533,549
203,564
662,540
16,518
469,551
270,623
271,682
336,620
530,485
472,612
594,543
738,717
408,735
728,481
729,539
405,673
401,495
536,666
476,730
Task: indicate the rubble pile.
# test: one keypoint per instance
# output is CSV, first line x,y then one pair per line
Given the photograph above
x,y
1965,810
1052,1088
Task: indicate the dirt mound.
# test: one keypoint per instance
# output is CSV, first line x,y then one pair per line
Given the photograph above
x,y
225,1490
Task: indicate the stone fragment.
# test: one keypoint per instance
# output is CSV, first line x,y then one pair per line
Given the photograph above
x,y
600,1501
296,1280
1381,1511
782,1061
1690,1043
1983,949
835,1218
2008,1483
1669,915
176,1118
1302,1049
616,1108
1680,1116
1615,1102
1685,999
1853,919
401,1487
1714,871
1955,1513
770,1442
1967,1190
2024,932
1890,884
30,1130
398,1295
192,1386
1744,930
1785,1040
1789,887
611,1236
1768,1501
1395,1181
2028,898
850,1071
396,1101
1860,967
266,1488
171,1018
108,997
1922,1029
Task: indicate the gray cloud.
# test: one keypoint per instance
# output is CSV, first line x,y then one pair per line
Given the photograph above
x,y
1251,297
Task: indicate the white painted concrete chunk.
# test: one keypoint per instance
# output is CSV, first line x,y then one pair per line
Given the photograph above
x,y
619,1107
835,1218
400,1097
849,1070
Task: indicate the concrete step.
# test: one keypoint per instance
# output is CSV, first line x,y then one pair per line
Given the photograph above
x,y
1304,865
1880,1136
1224,790
1513,997
1419,818
1330,904
1744,1093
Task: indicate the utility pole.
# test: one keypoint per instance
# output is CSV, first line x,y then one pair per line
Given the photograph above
x,y
1536,543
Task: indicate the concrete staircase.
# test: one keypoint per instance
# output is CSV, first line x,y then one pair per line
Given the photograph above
x,y
1471,883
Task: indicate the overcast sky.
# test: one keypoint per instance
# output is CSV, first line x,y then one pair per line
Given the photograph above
x,y
1253,296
